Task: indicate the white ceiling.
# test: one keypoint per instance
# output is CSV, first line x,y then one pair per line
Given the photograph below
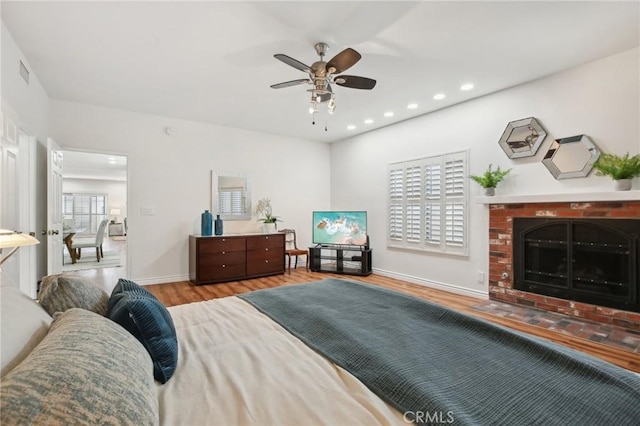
x,y
91,165
213,61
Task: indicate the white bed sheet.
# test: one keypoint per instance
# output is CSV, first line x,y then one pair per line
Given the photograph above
x,y
238,367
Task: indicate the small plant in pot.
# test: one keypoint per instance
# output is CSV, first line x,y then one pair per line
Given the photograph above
x,y
490,179
269,220
620,168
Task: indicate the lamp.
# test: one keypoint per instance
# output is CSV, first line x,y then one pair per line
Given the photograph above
x,y
15,240
115,213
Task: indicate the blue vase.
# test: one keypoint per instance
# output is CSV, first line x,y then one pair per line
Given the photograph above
x,y
217,225
207,219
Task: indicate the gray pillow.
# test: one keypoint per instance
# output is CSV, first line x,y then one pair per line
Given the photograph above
x,y
24,325
61,292
87,370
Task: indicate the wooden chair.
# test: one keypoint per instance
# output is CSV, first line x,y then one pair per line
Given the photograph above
x,y
291,248
96,242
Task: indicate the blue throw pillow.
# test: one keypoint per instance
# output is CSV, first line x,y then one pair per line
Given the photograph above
x,y
149,321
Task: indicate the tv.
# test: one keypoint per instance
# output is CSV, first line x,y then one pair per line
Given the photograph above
x,y
340,227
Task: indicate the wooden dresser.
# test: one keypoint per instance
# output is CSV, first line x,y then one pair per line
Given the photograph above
x,y
235,257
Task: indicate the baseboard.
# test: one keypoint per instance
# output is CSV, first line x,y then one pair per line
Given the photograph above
x,y
161,280
433,284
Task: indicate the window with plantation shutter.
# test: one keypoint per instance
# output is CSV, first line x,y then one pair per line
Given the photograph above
x,y
86,210
230,201
428,204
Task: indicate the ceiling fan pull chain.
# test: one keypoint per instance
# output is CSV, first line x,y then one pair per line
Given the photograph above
x,y
325,125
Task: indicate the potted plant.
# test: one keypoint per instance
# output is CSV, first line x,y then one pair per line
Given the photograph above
x,y
620,169
269,220
490,179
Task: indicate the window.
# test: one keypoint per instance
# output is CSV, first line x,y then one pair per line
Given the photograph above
x,y
87,210
231,201
428,204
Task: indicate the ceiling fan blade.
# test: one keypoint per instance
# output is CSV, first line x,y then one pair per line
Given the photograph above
x,y
344,60
290,83
355,82
292,62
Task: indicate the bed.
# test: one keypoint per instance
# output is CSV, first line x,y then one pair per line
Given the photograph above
x,y
340,352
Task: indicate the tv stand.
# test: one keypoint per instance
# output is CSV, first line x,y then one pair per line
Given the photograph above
x,y
340,259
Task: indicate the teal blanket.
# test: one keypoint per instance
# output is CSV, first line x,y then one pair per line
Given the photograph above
x,y
439,366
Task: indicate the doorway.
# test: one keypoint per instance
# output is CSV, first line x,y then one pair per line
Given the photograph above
x,y
94,212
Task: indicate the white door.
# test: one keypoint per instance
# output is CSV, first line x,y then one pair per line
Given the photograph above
x,y
54,207
17,164
9,201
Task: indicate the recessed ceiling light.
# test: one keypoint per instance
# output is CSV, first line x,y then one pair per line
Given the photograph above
x,y
111,158
466,86
412,106
368,121
112,161
388,114
439,96
351,127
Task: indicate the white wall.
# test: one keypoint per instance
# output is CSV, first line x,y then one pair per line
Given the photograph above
x,y
27,105
600,99
171,175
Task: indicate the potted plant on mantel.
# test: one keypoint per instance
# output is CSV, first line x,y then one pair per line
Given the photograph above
x,y
490,179
620,169
269,221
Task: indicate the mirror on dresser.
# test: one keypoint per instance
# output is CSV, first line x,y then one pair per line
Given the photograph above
x,y
231,196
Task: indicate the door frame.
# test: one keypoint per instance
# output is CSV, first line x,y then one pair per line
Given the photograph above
x,y
127,267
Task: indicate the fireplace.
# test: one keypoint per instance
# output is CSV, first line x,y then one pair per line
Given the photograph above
x,y
596,301
585,260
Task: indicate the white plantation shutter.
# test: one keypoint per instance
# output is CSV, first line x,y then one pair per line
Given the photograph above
x,y
87,210
413,222
396,193
428,204
455,206
432,223
231,201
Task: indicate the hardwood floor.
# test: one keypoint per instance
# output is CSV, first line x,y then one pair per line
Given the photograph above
x,y
185,292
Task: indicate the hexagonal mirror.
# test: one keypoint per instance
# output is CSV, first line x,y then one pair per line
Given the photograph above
x,y
571,157
522,138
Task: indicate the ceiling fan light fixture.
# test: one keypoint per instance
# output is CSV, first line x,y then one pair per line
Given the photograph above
x,y
466,86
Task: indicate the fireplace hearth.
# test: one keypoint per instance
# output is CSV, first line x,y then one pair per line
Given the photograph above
x,y
583,288
585,260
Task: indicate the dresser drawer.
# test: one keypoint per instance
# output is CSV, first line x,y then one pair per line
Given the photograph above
x,y
222,258
221,272
265,241
220,245
265,264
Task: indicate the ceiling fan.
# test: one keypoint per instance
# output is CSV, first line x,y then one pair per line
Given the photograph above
x,y
322,74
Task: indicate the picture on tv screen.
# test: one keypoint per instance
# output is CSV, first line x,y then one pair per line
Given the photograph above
x,y
340,227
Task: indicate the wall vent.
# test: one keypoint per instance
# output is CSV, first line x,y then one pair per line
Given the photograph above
x,y
24,72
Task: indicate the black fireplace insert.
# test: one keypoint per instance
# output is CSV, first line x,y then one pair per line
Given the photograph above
x,y
585,260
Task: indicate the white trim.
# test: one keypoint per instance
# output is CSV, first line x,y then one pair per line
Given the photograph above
x,y
567,198
161,280
480,294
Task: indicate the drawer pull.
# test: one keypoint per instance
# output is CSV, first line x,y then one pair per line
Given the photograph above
x,y
266,261
224,252
266,249
224,266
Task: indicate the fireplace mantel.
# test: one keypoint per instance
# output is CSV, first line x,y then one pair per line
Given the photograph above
x,y
579,197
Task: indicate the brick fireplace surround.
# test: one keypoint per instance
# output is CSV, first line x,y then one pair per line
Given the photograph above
x,y
500,255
